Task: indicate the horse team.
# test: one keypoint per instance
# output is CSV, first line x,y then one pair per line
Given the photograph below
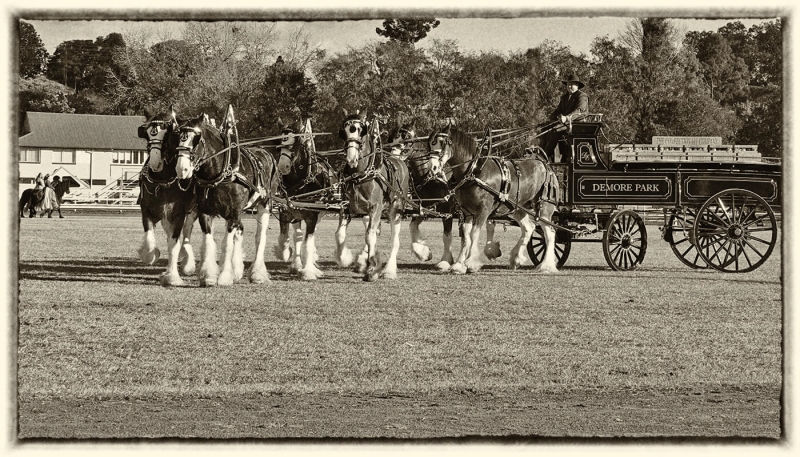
x,y
197,170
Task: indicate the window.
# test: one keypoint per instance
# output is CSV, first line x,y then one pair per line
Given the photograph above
x,y
63,156
27,180
29,155
129,157
98,182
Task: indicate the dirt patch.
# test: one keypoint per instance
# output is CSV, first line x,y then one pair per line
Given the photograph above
x,y
753,412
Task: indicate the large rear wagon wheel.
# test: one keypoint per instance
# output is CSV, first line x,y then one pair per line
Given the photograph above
x,y
736,231
681,227
536,247
625,241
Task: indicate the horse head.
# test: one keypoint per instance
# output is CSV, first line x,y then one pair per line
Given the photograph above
x,y
441,149
288,144
154,131
354,129
401,136
198,141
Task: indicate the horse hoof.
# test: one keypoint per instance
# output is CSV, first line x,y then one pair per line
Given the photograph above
x,y
443,266
458,269
389,275
370,276
168,280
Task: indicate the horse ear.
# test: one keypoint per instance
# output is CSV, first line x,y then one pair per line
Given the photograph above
x,y
279,123
363,116
344,111
414,123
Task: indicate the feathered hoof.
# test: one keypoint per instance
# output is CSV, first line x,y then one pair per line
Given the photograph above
x,y
188,269
259,275
422,252
296,266
309,275
170,280
208,282
373,268
149,258
225,279
492,250
548,270
345,259
458,269
443,265
282,254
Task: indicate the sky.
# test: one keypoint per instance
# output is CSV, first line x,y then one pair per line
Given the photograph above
x,y
472,34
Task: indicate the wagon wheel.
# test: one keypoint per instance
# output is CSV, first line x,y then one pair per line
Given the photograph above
x,y
736,230
625,241
536,248
681,227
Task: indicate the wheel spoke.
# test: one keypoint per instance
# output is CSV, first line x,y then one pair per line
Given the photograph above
x,y
744,206
755,238
721,205
749,244
744,253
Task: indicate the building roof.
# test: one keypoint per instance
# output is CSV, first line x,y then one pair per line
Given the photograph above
x,y
82,131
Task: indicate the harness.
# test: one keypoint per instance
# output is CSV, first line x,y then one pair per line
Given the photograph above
x,y
231,168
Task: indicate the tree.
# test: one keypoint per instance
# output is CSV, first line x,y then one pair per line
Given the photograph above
x,y
725,74
407,31
32,53
43,95
285,94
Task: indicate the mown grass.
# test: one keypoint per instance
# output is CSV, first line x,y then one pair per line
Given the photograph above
x,y
93,322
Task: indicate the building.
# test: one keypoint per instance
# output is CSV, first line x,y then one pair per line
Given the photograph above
x,y
101,154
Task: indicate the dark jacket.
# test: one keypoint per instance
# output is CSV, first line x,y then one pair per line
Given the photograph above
x,y
572,105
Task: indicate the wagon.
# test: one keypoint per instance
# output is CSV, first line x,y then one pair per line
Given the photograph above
x,y
718,202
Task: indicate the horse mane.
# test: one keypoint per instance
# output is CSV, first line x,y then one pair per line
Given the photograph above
x,y
462,141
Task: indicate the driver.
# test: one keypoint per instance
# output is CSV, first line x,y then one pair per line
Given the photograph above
x,y
572,104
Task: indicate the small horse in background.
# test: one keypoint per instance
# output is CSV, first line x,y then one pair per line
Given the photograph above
x,y
229,179
31,197
303,173
430,190
486,187
374,181
164,198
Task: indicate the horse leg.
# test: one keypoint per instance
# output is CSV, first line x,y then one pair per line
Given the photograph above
x,y
343,256
187,262
207,275
473,261
22,202
148,252
447,240
258,271
492,248
360,264
466,245
526,226
390,269
171,277
50,214
283,249
372,258
549,262
231,253
60,216
310,271
298,235
418,245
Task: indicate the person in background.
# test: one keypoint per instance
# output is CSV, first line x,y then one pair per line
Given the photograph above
x,y
572,104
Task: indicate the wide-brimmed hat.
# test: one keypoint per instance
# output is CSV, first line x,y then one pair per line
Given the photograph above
x,y
573,79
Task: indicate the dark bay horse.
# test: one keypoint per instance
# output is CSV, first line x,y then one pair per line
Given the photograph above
x,y
429,191
494,186
166,199
31,197
229,179
373,182
304,175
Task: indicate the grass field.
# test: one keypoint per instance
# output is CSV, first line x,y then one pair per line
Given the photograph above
x,y
665,350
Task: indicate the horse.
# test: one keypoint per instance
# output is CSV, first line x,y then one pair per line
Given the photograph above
x,y
524,189
373,181
431,192
31,197
166,199
303,173
229,179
